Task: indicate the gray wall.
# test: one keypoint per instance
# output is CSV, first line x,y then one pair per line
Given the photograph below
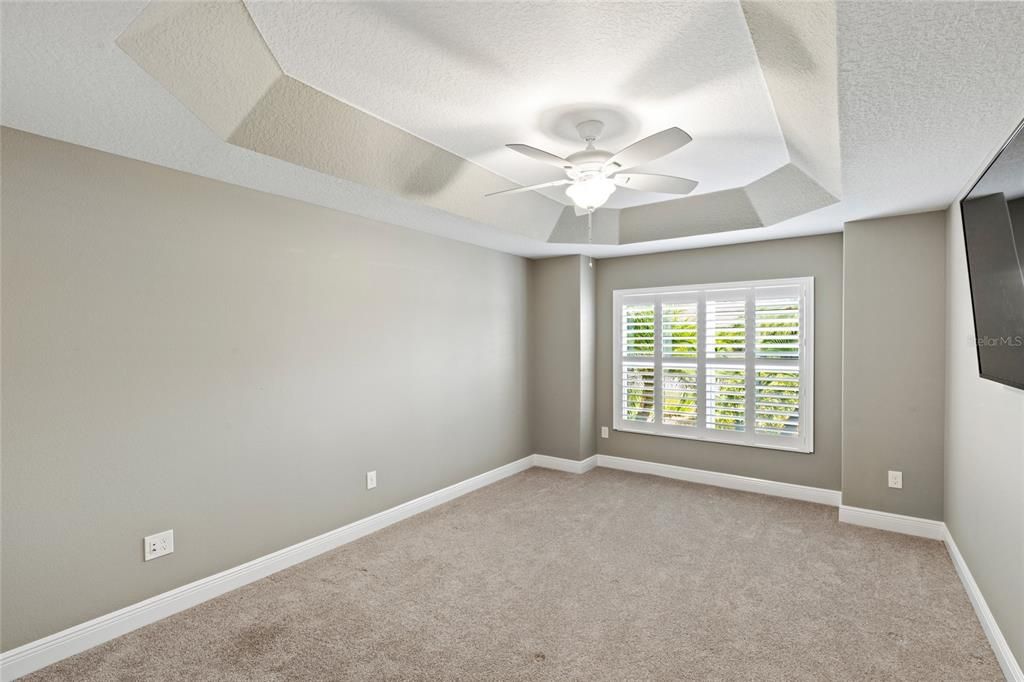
x,y
820,257
562,356
893,366
984,458
588,356
182,353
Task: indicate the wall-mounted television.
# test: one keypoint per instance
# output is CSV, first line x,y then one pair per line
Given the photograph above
x,y
993,218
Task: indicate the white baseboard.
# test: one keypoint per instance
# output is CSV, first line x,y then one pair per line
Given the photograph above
x,y
74,640
571,466
1011,668
732,481
41,653
897,523
908,525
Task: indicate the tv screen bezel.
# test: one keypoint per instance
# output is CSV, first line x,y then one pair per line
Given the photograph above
x,y
1019,130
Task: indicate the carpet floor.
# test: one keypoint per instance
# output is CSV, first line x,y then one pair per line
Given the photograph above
x,y
602,576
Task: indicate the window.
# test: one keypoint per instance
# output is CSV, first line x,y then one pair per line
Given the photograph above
x,y
729,362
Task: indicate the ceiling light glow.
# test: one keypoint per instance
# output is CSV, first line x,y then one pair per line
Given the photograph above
x,y
590,192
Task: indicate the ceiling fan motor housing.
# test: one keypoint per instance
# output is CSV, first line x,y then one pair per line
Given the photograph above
x,y
590,161
587,162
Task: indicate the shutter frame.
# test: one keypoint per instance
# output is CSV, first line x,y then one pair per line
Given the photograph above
x,y
688,377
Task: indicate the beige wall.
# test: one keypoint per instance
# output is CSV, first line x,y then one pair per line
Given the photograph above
x,y
820,257
984,460
893,367
182,353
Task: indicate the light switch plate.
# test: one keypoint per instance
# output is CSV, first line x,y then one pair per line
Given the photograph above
x,y
157,545
371,480
604,432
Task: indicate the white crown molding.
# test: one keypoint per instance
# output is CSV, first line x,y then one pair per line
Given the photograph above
x,y
1007,661
732,481
42,652
897,523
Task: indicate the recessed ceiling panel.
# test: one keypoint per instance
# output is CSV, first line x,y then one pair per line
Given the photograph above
x,y
471,77
922,88
211,56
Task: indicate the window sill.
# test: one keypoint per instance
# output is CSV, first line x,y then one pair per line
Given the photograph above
x,y
794,449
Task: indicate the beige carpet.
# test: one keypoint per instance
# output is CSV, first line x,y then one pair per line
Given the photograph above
x,y
604,576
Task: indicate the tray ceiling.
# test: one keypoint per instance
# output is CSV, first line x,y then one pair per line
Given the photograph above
x,y
915,93
471,77
215,59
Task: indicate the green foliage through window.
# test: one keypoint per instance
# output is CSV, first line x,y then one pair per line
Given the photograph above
x,y
725,358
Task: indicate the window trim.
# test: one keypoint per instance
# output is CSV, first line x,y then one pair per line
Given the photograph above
x,y
748,438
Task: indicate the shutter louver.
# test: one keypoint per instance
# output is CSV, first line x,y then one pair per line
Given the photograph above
x,y
777,382
679,396
725,329
679,330
637,376
778,327
679,377
726,398
778,402
638,331
638,393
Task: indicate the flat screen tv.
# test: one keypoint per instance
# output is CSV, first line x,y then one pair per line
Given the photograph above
x,y
993,217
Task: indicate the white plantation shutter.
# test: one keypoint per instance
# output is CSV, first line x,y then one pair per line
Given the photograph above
x,y
725,325
777,360
679,330
679,348
679,396
638,385
723,362
726,399
638,331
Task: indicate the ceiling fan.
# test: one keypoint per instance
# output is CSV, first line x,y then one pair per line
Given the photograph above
x,y
594,174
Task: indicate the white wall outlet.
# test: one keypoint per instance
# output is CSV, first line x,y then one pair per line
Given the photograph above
x,y
371,480
604,432
158,545
895,479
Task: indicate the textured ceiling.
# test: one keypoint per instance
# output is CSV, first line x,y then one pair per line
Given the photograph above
x,y
249,100
796,48
928,92
470,77
920,94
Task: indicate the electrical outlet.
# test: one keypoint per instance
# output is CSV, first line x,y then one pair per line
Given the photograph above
x,y
895,479
604,432
158,545
371,480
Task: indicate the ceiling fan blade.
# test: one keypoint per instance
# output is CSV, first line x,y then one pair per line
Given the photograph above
x,y
649,149
553,183
540,155
648,182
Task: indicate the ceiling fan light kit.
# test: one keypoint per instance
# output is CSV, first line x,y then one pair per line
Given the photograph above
x,y
590,192
594,174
